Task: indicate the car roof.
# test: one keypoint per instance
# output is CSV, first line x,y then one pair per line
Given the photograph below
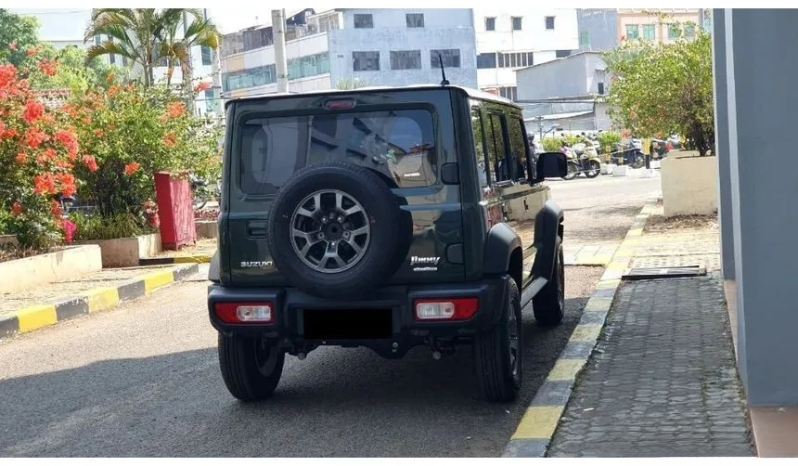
x,y
474,93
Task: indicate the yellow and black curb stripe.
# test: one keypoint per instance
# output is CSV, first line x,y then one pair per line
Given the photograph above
x,y
35,317
539,423
194,259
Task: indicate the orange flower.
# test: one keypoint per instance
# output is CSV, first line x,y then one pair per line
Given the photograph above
x,y
48,67
34,137
16,208
131,168
90,163
175,109
170,140
33,111
10,133
21,158
202,86
31,51
110,78
98,133
55,208
44,183
113,90
70,142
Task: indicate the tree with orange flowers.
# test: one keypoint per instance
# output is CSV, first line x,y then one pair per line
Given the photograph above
x,y
38,154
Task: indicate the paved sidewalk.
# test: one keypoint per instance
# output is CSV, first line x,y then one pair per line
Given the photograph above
x,y
663,379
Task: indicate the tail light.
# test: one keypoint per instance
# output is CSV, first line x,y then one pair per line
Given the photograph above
x,y
244,313
445,309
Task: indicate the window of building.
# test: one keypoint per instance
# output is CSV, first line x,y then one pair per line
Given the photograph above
x,y
406,60
273,149
515,60
98,40
451,58
111,57
517,23
549,23
365,61
490,24
298,68
689,31
415,20
207,56
486,61
364,21
562,53
600,88
309,65
632,31
509,92
674,31
124,60
584,39
210,99
649,32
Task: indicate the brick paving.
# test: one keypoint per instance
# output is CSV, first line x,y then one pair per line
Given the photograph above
x,y
663,379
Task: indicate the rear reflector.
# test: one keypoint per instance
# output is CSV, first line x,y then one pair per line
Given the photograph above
x,y
341,104
445,309
244,313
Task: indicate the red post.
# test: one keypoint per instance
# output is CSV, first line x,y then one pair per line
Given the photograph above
x,y
175,210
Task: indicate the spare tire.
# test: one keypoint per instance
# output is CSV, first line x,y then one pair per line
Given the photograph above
x,y
336,230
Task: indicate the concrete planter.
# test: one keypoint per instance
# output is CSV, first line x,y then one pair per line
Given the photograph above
x,y
22,274
622,170
8,239
207,229
689,185
126,252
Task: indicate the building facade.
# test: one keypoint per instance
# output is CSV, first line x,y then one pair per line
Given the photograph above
x,y
565,92
378,47
509,39
603,29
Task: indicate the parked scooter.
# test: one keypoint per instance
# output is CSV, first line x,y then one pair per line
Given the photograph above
x,y
587,159
630,154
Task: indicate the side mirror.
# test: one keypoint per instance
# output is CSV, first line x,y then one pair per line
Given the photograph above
x,y
551,165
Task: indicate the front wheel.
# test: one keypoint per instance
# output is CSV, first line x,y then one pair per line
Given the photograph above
x,y
639,161
498,352
594,169
549,304
573,171
251,367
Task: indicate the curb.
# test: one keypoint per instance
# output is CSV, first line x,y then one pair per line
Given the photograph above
x,y
35,317
533,435
193,259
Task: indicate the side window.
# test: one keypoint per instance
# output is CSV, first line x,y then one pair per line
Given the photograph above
x,y
480,149
519,148
496,145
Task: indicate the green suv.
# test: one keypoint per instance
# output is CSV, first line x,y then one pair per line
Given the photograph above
x,y
386,218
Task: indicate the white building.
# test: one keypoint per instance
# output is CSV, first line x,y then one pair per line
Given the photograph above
x,y
63,27
383,46
564,91
511,38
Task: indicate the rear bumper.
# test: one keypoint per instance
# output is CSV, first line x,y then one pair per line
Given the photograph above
x,y
290,303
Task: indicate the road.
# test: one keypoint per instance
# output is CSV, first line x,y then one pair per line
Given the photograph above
x,y
143,380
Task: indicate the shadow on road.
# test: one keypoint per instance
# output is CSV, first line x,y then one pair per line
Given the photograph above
x,y
335,403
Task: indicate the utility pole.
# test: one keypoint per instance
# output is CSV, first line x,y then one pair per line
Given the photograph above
x,y
280,60
540,128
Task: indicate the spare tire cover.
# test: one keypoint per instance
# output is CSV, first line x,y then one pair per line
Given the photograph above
x,y
336,230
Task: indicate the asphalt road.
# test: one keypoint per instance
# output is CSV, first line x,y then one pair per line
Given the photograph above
x,y
143,380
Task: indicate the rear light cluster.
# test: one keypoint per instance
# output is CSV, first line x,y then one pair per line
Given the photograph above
x,y
245,313
445,309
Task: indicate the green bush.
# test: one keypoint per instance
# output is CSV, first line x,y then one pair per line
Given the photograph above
x,y
96,227
608,139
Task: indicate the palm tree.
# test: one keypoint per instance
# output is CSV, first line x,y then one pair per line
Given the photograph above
x,y
176,47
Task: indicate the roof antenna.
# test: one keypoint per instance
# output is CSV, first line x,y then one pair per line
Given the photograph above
x,y
444,82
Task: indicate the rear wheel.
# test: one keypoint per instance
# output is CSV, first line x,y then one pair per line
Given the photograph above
x,y
549,304
251,367
498,352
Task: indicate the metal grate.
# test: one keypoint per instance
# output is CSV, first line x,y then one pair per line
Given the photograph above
x,y
648,273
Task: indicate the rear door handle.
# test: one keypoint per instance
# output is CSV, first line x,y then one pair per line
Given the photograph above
x,y
256,229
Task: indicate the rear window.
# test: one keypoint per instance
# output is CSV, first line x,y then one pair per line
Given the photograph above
x,y
397,143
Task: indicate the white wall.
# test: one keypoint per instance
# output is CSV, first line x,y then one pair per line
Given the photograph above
x,y
575,76
533,37
443,29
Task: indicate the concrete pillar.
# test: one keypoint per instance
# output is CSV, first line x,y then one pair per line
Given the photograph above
x,y
762,111
722,149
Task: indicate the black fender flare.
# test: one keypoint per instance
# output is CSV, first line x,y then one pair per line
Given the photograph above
x,y
214,271
548,237
500,244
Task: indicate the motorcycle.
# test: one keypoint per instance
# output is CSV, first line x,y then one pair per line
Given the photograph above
x,y
587,160
200,193
571,161
629,154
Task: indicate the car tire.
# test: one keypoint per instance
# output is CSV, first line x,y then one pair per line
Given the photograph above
x,y
364,266
251,367
549,304
498,352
